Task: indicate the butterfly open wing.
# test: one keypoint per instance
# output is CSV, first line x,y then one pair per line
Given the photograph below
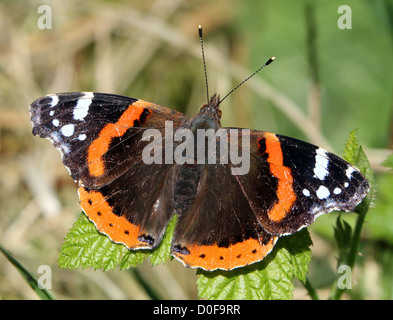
x,y
100,140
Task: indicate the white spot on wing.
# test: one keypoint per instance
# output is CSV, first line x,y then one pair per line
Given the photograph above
x,y
55,100
321,164
337,191
81,109
306,192
67,130
323,193
56,122
82,137
349,172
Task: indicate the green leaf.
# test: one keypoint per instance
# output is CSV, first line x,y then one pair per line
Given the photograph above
x,y
271,278
29,277
355,155
300,252
85,247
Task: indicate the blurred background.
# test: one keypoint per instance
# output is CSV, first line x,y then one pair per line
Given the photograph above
x,y
332,74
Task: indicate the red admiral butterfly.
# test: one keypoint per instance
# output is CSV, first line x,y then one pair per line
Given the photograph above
x,y
225,220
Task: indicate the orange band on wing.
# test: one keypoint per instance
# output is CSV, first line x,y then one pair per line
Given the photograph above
x,y
118,229
285,193
112,130
226,258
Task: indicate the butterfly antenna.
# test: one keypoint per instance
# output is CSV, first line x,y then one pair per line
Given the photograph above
x,y
263,66
204,62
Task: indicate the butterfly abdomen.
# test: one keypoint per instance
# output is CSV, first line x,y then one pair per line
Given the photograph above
x,y
186,187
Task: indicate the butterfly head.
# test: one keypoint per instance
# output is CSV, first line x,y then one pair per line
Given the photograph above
x,y
209,115
212,108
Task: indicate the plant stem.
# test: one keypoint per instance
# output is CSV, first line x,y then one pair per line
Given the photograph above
x,y
351,258
310,289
